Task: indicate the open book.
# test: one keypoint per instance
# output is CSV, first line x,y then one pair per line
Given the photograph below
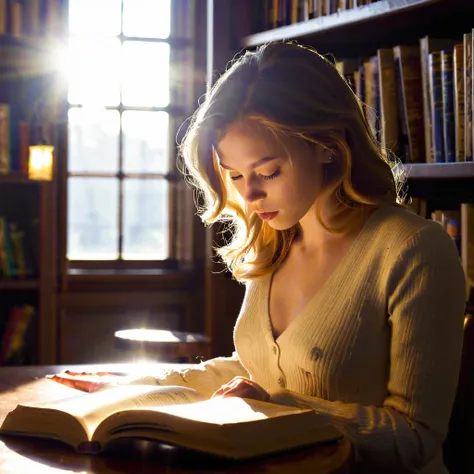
x,y
230,427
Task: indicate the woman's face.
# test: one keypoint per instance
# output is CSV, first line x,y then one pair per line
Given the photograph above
x,y
279,183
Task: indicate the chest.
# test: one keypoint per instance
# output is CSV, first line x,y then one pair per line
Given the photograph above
x,y
295,285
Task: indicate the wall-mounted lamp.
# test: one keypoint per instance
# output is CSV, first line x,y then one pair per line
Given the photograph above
x,y
40,162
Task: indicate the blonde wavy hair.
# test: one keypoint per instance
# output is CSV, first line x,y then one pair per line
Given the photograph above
x,y
294,92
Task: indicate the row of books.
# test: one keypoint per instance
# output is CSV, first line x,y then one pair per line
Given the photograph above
x,y
19,18
14,334
459,224
286,12
418,98
18,250
16,136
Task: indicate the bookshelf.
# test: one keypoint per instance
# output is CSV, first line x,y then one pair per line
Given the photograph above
x,y
30,284
384,21
426,171
30,95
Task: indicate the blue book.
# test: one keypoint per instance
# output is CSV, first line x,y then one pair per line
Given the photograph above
x,y
448,105
436,98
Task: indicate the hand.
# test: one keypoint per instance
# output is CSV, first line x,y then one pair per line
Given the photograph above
x,y
243,388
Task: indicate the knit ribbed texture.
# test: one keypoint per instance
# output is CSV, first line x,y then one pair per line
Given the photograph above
x,y
376,350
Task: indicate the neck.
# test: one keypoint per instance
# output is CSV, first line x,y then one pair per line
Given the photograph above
x,y
312,235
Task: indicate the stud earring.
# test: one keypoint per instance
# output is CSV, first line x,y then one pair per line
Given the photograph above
x,y
330,158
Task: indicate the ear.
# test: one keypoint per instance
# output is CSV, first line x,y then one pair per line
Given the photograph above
x,y
327,156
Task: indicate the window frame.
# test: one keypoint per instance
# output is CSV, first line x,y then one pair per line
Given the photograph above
x,y
177,116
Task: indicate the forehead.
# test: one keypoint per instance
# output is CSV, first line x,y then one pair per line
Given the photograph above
x,y
245,140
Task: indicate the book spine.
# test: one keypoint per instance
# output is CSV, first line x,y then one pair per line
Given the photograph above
x,y
5,157
17,237
24,142
16,19
436,106
468,96
369,94
470,66
458,66
403,147
448,104
388,99
410,73
8,334
18,338
467,244
7,238
425,84
33,17
3,17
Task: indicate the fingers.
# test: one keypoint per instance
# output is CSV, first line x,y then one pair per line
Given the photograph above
x,y
243,388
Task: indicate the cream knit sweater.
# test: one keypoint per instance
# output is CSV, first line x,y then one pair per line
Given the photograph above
x,y
376,350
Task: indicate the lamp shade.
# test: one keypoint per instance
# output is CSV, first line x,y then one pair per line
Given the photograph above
x,y
40,162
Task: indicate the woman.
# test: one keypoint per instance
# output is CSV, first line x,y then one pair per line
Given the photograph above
x,y
354,305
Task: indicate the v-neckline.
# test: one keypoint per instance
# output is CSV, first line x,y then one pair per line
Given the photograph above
x,y
268,280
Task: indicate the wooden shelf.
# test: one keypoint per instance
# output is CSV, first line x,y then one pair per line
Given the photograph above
x,y
19,284
461,170
353,31
15,178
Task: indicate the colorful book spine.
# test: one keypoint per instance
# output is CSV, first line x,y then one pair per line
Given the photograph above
x,y
458,67
448,104
467,38
436,105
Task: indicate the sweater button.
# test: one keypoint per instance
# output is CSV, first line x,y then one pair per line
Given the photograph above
x,y
275,350
315,354
281,382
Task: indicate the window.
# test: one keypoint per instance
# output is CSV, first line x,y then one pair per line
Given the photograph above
x,y
122,120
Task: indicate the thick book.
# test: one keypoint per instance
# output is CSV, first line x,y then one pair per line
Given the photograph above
x,y
231,427
410,100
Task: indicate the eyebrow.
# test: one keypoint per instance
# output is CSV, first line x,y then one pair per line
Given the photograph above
x,y
258,163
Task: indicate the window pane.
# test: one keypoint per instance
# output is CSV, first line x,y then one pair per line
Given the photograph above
x,y
146,18
94,71
93,140
93,218
145,142
145,232
145,74
94,17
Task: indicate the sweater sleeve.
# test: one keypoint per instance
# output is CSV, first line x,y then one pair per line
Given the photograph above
x,y
206,377
426,303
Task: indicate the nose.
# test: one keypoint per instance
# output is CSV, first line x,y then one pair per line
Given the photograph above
x,y
252,192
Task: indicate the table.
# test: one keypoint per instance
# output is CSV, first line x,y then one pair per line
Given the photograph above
x,y
20,456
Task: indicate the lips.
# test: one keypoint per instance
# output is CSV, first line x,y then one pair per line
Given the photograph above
x,y
267,216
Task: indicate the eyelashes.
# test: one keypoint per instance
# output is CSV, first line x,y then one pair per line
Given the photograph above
x,y
261,176
271,176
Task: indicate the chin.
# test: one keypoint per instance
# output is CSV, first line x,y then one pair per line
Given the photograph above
x,y
280,224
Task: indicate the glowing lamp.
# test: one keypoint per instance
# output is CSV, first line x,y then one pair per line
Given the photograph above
x,y
40,162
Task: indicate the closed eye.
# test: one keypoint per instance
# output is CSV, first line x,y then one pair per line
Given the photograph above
x,y
261,176
270,176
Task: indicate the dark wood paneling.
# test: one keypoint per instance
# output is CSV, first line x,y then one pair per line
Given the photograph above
x,y
89,319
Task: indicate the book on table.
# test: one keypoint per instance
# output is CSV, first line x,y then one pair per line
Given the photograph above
x,y
231,427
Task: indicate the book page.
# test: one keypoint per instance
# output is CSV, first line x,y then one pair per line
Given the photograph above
x,y
230,410
90,409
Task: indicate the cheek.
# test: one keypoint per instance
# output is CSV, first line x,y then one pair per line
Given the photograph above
x,y
301,190
310,185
